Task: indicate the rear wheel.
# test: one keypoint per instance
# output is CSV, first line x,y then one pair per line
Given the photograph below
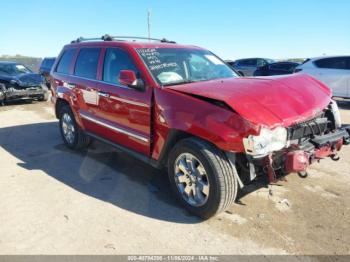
x,y
71,133
201,177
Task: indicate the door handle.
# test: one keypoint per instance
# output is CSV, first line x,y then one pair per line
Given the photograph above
x,y
103,94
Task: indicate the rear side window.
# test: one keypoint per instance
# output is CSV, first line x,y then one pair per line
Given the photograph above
x,y
87,61
332,63
116,60
65,61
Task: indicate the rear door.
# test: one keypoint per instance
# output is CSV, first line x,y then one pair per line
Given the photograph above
x,y
334,73
84,84
123,112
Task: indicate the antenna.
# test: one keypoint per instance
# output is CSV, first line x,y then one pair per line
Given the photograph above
x,y
149,24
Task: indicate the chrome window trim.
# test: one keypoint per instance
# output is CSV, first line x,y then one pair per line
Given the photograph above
x,y
95,80
114,128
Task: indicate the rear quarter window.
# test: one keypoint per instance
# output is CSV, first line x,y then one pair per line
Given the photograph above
x,y
65,61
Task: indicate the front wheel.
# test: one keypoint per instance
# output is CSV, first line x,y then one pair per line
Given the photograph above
x,y
201,177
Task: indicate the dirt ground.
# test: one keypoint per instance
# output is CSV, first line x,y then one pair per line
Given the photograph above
x,y
55,201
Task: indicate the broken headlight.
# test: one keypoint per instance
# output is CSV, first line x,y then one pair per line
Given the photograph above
x,y
266,142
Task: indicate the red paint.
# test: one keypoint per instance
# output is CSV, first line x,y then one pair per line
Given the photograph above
x,y
297,161
266,101
328,150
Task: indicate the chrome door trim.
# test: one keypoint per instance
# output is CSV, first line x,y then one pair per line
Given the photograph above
x,y
112,127
128,101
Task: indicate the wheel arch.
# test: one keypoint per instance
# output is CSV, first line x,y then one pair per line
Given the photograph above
x,y
175,136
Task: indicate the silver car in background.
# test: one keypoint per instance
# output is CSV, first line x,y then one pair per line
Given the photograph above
x,y
333,71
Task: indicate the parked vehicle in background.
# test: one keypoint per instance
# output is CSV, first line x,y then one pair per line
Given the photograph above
x,y
278,68
19,82
45,69
247,66
183,108
333,71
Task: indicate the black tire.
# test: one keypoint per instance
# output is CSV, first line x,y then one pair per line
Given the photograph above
x,y
220,173
80,140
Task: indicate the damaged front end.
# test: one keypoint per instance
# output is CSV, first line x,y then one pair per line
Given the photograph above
x,y
284,150
15,91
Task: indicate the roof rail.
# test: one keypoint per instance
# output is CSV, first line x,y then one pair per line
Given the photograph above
x,y
107,37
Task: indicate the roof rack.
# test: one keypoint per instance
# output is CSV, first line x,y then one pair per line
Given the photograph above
x,y
120,38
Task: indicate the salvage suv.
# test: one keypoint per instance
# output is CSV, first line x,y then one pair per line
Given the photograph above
x,y
181,107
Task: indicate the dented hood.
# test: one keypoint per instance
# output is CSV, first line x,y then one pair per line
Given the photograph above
x,y
268,101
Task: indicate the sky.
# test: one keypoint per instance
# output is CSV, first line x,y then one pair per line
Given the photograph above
x,y
231,29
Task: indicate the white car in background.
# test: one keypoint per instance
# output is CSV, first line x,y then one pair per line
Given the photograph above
x,y
334,71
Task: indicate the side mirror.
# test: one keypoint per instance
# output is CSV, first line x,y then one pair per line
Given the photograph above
x,y
128,78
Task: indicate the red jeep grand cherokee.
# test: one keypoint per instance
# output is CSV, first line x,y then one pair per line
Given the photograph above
x,y
183,108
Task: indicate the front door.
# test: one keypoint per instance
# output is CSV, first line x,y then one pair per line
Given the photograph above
x,y
124,112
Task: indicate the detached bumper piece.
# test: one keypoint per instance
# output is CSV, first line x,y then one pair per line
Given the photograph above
x,y
298,158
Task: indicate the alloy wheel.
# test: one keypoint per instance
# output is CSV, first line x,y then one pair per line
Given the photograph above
x,y
68,128
191,179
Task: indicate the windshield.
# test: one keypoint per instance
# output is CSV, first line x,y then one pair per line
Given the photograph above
x,y
172,66
13,69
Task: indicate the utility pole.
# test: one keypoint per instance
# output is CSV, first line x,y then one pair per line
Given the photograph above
x,y
149,24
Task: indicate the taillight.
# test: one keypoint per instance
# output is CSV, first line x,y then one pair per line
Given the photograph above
x,y
297,70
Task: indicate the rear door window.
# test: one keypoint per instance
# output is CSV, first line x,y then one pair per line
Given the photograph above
x,y
65,61
87,62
